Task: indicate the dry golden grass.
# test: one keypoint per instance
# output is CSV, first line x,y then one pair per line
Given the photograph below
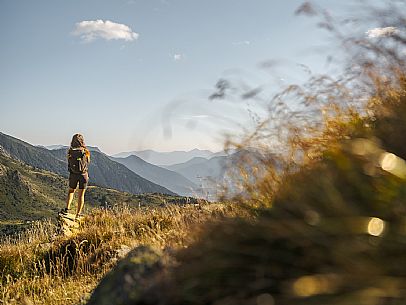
x,y
330,229
41,267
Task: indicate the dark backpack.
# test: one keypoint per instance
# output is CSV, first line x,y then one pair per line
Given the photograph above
x,y
77,161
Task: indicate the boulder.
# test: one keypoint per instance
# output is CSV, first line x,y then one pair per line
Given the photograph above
x,y
124,283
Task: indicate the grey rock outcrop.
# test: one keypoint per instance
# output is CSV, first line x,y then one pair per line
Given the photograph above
x,y
123,284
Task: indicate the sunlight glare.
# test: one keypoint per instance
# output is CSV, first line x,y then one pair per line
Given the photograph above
x,y
376,226
393,164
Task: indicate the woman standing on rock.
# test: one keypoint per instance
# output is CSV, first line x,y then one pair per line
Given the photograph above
x,y
78,163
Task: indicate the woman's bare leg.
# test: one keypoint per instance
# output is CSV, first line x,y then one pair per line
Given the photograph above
x,y
81,201
69,199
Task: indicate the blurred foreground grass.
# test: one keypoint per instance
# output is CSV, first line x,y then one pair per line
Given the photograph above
x,y
331,229
327,185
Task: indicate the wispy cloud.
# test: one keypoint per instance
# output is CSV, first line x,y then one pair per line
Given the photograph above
x,y
240,43
195,117
382,32
178,57
93,29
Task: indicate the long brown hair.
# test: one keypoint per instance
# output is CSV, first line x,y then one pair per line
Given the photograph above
x,y
78,141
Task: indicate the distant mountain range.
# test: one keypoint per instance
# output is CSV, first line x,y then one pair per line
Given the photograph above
x,y
103,171
204,173
56,147
220,171
199,174
169,179
28,193
51,147
159,175
181,178
168,158
199,168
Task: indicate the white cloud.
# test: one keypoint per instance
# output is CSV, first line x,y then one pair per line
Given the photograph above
x,y
177,57
199,116
108,30
195,117
381,32
244,42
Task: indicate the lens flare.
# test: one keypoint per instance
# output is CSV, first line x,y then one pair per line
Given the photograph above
x,y
376,226
388,162
393,164
310,285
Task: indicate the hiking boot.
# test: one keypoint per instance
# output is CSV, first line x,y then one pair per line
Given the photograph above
x,y
64,211
79,217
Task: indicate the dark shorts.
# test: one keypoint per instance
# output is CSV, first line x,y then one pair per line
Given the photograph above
x,y
82,179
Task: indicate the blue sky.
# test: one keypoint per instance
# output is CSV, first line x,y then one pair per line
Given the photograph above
x,y
56,81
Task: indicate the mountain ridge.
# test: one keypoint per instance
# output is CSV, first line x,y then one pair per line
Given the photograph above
x,y
201,168
166,158
59,146
162,176
103,171
30,194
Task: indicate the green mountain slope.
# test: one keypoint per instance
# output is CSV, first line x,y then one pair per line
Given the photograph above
x,y
38,157
28,193
103,171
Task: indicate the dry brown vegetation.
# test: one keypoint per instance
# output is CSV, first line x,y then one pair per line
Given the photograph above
x,y
327,184
41,267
